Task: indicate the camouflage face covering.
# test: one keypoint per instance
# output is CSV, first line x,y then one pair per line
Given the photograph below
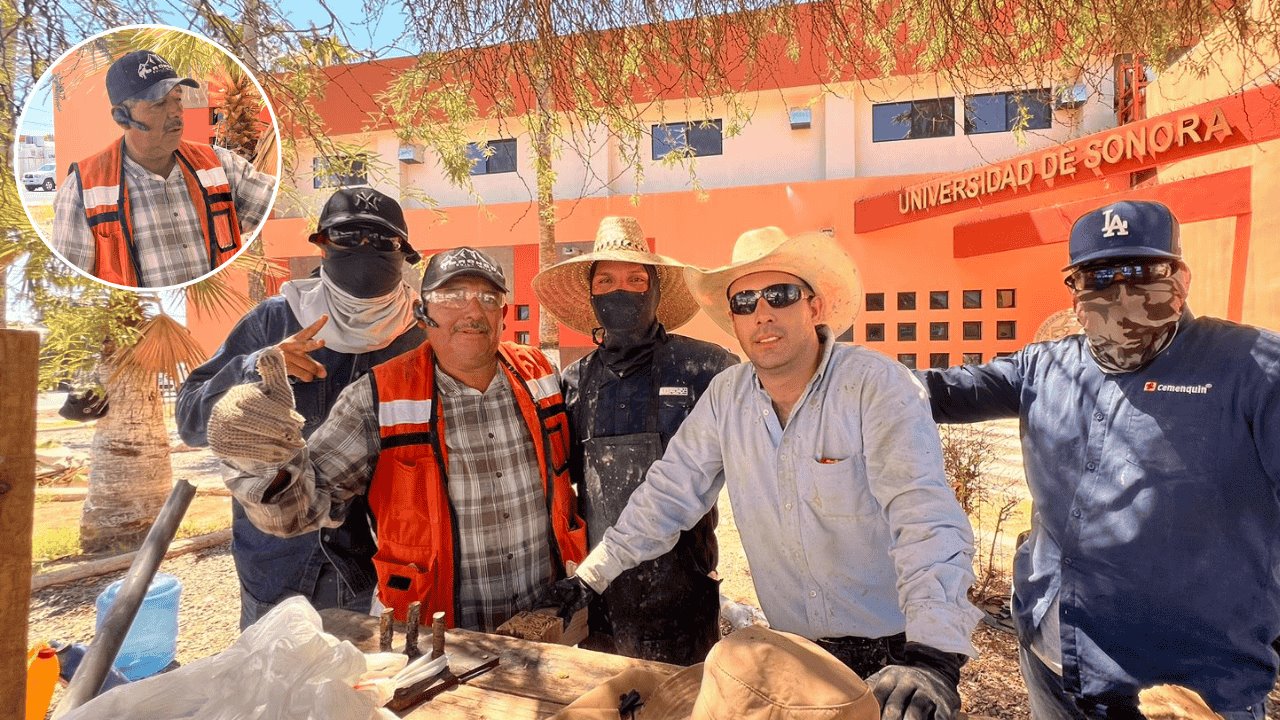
x,y
1129,324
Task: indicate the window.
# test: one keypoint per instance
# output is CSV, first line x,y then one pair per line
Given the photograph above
x,y
1006,298
972,358
501,159
846,336
522,337
522,312
339,171
972,330
939,331
1006,329
908,359
906,301
972,299
1003,354
906,331
875,301
913,119
1001,112
939,299
939,361
875,332
701,138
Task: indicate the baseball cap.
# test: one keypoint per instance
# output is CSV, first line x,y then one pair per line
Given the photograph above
x,y
363,204
449,264
142,75
1129,229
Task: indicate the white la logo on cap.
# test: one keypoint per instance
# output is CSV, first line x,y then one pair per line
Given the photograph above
x,y
153,63
1114,225
367,201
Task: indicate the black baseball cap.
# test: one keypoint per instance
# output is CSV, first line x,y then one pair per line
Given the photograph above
x,y
449,264
142,75
1123,230
363,204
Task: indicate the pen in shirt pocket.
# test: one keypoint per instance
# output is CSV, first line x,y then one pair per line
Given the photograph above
x,y
828,461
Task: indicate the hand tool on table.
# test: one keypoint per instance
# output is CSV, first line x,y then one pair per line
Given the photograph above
x,y
424,690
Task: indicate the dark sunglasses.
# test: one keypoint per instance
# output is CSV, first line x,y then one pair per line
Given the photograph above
x,y
379,240
1100,278
778,296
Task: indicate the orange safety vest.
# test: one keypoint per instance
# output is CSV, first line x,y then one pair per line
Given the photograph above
x,y
105,197
417,548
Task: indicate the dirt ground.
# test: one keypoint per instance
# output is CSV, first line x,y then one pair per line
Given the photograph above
x,y
209,609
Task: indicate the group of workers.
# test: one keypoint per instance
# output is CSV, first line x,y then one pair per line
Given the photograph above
x,y
384,445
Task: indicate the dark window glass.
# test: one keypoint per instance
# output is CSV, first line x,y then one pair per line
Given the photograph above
x,y
502,157
908,359
972,299
906,331
875,332
1006,329
1006,298
522,312
913,119
939,361
972,330
939,299
522,337
702,138
939,330
972,358
1003,354
339,171
906,301
846,336
1000,112
875,301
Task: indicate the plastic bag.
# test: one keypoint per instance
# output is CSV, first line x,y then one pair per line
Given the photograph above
x,y
282,667
741,615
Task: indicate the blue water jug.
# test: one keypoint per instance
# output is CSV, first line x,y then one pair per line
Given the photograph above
x,y
152,641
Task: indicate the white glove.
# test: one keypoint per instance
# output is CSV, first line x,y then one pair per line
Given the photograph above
x,y
256,423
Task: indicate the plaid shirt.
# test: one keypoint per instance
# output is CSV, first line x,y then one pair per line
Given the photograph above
x,y
170,242
503,529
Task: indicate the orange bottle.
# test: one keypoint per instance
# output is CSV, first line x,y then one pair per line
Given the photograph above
x,y
42,675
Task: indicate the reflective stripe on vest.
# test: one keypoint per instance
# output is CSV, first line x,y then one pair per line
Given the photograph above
x,y
105,196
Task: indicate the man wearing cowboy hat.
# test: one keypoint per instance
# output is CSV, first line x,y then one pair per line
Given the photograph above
x,y
152,209
832,463
626,399
1152,449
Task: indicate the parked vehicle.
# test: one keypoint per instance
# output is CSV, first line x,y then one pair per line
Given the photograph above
x,y
41,177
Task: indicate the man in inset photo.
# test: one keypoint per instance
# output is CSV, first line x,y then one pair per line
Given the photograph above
x,y
152,209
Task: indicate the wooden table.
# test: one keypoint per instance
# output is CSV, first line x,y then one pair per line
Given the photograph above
x,y
532,680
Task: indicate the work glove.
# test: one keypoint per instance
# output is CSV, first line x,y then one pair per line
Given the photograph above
x,y
569,596
922,686
256,424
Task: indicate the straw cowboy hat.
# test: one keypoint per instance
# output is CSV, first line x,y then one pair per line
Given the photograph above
x,y
564,289
753,674
813,257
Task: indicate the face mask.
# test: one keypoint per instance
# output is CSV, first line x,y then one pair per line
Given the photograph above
x,y
622,312
362,271
1128,325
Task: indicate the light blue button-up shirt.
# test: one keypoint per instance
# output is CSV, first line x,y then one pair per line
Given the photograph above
x,y
846,517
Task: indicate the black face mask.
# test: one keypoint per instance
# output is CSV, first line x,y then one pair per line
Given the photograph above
x,y
630,327
362,271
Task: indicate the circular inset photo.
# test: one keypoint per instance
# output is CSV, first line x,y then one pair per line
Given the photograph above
x,y
147,157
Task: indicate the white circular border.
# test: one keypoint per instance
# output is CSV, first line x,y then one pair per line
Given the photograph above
x,y
252,236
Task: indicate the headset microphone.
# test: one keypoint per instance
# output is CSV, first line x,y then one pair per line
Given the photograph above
x,y
122,116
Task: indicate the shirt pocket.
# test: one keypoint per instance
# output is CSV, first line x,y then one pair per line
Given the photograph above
x,y
672,410
837,488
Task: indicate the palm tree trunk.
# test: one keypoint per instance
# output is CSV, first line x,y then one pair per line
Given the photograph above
x,y
541,133
129,471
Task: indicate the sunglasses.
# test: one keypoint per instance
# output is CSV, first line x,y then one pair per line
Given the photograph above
x,y
778,296
380,240
1102,277
456,299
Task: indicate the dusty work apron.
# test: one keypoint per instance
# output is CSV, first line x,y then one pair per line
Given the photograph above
x,y
666,609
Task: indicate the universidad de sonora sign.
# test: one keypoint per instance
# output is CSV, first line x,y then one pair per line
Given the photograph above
x,y
1146,141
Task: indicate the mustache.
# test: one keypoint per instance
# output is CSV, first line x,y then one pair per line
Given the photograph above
x,y
464,325
173,125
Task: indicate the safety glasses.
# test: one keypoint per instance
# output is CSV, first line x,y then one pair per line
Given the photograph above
x,y
456,299
1094,279
379,240
778,296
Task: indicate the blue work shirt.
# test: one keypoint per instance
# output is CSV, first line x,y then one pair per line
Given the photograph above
x,y
1157,508
269,566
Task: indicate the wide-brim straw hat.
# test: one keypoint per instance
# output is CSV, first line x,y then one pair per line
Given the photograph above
x,y
753,674
814,257
564,289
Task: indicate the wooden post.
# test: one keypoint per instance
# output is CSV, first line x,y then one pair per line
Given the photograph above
x,y
19,353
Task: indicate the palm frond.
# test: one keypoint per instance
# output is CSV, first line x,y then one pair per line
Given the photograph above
x,y
216,297
164,346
